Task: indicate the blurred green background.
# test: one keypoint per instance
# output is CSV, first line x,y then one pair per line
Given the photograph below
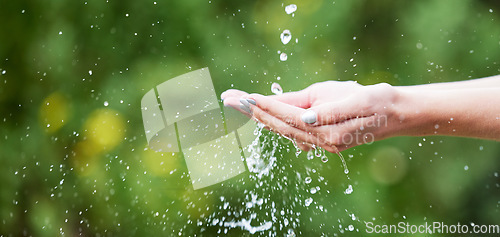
x,y
74,158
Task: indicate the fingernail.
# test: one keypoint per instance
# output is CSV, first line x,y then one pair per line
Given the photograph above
x,y
309,117
245,102
251,101
245,108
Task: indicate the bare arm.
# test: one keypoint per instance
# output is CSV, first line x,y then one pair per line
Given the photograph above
x,y
340,115
487,82
459,112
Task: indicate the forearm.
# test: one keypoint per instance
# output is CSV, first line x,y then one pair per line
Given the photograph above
x,y
487,82
460,112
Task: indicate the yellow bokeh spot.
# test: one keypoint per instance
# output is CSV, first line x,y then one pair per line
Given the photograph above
x,y
104,129
54,112
161,163
85,159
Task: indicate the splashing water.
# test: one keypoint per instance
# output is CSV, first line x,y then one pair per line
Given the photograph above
x,y
257,162
290,9
286,36
258,212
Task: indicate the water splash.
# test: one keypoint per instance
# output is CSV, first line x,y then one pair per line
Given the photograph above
x,y
285,36
245,224
258,162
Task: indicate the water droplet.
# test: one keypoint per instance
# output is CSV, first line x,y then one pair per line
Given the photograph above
x,y
3,72
290,233
283,56
308,202
276,89
286,36
310,155
351,227
346,171
106,103
324,159
313,190
308,180
349,189
290,9
466,167
90,72
318,152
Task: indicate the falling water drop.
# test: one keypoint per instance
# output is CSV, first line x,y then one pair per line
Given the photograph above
x,y
318,152
283,56
308,201
310,155
349,189
346,171
276,89
286,36
290,9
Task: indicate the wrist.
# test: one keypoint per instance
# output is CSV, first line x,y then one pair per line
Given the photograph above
x,y
415,115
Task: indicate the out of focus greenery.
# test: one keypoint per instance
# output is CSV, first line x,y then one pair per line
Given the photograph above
x,y
74,158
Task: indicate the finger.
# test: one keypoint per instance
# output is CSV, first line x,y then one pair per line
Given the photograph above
x,y
285,112
235,103
299,99
280,127
231,97
336,112
232,93
354,132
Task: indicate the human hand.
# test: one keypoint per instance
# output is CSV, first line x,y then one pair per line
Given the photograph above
x,y
333,115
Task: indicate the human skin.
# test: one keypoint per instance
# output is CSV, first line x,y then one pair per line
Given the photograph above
x,y
348,114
